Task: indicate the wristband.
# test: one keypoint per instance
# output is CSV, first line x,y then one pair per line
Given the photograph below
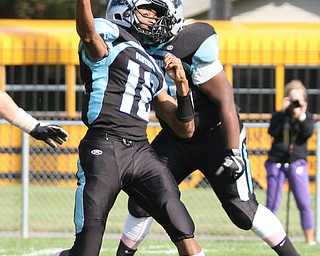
x,y
24,121
185,111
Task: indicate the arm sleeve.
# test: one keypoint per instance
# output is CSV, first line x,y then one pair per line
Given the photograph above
x,y
307,126
276,124
205,62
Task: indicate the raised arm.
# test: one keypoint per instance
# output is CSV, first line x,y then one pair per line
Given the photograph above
x,y
179,116
96,49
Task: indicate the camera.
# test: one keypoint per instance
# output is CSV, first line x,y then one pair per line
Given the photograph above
x,y
294,103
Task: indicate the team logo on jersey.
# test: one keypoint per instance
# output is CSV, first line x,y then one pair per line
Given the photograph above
x,y
96,152
170,47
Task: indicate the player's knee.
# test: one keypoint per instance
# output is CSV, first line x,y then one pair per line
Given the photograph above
x,y
267,226
178,223
135,229
135,210
241,213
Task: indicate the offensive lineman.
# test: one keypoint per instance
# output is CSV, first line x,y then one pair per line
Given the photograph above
x,y
217,147
121,82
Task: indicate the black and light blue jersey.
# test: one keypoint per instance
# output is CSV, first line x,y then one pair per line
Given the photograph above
x,y
120,87
198,48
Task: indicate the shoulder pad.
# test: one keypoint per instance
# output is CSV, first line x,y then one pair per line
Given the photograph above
x,y
189,39
106,29
111,32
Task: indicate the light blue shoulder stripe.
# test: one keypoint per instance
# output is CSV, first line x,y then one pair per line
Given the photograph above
x,y
208,51
100,72
107,29
244,183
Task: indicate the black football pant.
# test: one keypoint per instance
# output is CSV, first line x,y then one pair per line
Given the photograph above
x,y
107,165
206,153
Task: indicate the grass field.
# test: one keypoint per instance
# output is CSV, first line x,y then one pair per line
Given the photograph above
x,y
51,227
149,247
51,211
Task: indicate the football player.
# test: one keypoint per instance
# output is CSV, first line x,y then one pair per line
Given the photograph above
x,y
121,82
218,146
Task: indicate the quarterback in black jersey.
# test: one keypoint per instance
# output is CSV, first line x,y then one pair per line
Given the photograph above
x,y
121,82
218,145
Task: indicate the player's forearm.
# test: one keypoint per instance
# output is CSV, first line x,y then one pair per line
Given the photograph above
x,y
8,108
182,87
85,20
184,129
10,111
184,123
230,125
96,49
181,123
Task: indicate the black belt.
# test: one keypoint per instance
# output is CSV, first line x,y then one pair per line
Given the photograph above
x,y
109,137
124,141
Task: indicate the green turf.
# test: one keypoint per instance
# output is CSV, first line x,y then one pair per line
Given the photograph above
x,y
51,211
149,247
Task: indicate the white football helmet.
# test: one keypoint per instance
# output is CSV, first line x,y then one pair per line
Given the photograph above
x,y
123,12
176,11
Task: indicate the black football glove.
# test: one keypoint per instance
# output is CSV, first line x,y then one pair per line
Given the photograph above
x,y
49,133
232,165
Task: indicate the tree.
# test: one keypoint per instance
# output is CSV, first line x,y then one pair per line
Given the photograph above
x,y
46,9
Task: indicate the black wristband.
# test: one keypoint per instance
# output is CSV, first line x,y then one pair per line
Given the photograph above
x,y
185,111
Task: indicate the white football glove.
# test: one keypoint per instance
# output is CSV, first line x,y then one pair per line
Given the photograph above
x,y
232,165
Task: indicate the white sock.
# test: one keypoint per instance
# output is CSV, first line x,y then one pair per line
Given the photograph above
x,y
267,226
200,253
135,230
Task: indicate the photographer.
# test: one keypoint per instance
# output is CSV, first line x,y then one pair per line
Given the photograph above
x,y
290,128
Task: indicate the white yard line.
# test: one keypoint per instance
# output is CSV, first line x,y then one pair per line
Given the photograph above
x,y
44,252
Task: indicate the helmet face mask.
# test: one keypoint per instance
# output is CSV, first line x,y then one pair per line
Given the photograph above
x,y
176,13
156,32
124,12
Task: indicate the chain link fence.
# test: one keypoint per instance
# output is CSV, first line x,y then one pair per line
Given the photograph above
x,y
39,69
37,186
